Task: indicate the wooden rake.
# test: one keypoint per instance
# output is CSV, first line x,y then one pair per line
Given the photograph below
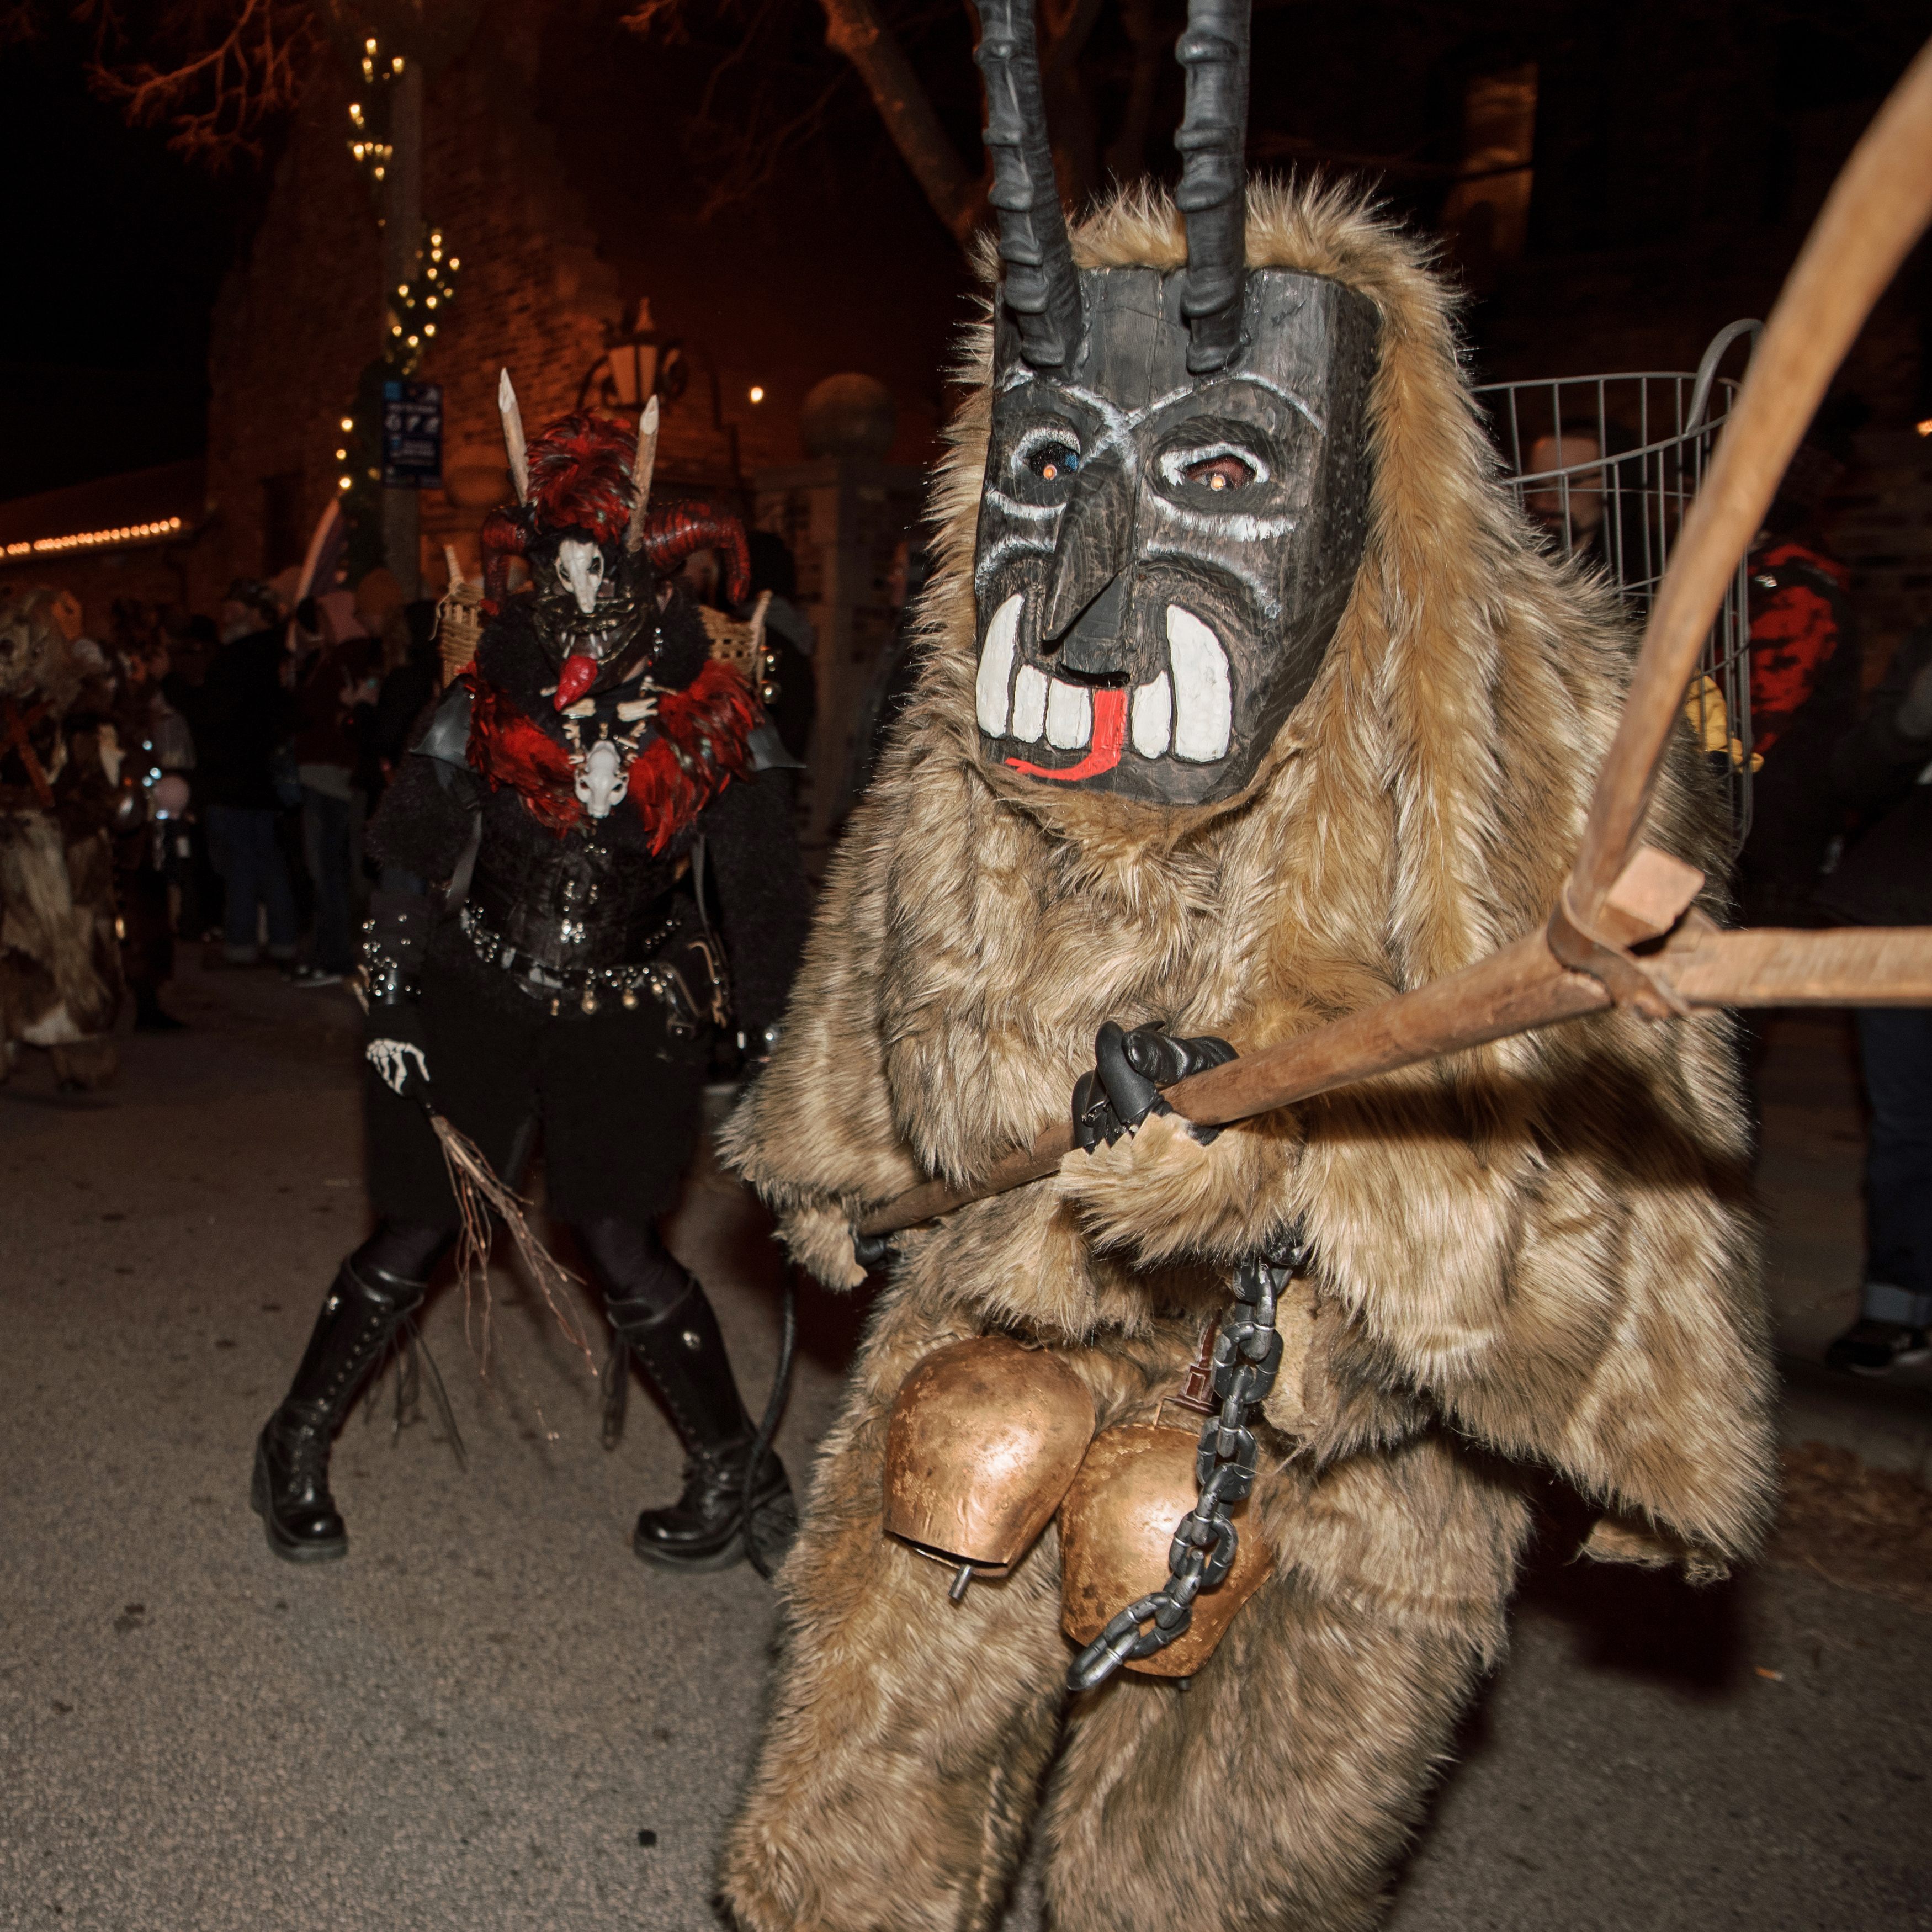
x,y
1620,894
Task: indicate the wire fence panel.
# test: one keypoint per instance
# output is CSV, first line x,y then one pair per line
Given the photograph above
x,y
1606,467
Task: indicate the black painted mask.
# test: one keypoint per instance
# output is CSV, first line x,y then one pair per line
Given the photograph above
x,y
1163,558
596,610
1176,495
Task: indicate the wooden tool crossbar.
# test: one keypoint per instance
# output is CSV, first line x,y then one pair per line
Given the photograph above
x,y
1620,896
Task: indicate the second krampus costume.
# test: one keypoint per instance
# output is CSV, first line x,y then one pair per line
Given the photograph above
x,y
1248,702
61,798
593,764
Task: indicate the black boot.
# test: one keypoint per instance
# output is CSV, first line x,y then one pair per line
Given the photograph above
x,y
683,1356
290,1489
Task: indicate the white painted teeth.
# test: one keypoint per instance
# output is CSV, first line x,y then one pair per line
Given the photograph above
x,y
996,667
1188,709
1070,716
1029,704
1153,718
1203,707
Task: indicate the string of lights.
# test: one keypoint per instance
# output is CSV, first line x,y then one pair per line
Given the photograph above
x,y
369,144
417,305
107,539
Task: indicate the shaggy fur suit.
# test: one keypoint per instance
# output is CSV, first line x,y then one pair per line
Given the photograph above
x,y
1540,1253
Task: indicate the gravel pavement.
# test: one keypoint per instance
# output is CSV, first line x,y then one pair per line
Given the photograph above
x,y
492,1716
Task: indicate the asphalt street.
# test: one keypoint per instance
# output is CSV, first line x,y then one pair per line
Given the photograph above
x,y
493,1716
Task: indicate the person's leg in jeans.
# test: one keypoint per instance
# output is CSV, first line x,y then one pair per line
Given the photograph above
x,y
232,830
278,894
1895,1309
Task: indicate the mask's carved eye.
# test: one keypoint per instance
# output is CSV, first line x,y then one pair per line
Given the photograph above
x,y
1050,461
1219,472
1219,467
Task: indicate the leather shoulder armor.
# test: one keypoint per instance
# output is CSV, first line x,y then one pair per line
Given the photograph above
x,y
447,740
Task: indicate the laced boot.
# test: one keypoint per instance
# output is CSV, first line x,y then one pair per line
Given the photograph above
x,y
289,1492
683,1356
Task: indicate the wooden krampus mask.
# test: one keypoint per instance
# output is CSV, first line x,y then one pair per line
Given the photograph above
x,y
1176,491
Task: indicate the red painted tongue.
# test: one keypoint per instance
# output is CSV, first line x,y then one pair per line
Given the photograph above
x,y
1110,731
578,674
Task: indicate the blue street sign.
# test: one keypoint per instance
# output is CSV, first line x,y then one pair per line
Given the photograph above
x,y
411,436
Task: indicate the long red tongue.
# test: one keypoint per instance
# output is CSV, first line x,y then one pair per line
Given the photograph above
x,y
1110,731
578,674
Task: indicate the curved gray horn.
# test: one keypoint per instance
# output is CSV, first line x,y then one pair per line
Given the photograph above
x,y
1212,194
1042,287
513,435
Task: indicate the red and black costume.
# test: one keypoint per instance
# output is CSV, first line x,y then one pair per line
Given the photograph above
x,y
585,795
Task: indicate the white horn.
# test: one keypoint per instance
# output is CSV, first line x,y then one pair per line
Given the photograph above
x,y
641,467
513,436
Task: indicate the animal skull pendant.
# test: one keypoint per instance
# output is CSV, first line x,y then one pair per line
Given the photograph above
x,y
600,779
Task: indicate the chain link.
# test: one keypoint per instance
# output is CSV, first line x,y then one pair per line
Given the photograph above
x,y
1247,1356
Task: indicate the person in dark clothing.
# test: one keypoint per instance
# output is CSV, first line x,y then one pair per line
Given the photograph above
x,y
406,691
585,775
334,656
240,718
151,740
1805,683
409,685
790,639
1882,769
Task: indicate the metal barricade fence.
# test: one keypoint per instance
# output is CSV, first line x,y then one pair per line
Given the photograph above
x,y
1608,465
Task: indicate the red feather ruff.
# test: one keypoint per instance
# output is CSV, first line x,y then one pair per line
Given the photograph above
x,y
700,746
508,749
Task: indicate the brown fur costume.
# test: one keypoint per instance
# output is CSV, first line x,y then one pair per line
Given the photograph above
x,y
60,964
1540,1251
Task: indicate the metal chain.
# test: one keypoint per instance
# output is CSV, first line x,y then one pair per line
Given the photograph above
x,y
1247,1355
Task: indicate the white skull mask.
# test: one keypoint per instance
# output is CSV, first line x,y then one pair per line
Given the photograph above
x,y
579,567
600,780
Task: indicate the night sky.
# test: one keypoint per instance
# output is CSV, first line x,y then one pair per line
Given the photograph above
x,y
115,252
1700,125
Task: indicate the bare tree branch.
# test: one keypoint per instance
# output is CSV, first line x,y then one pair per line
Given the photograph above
x,y
854,29
233,65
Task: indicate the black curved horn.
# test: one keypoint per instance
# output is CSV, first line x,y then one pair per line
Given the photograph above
x,y
1212,194
1042,288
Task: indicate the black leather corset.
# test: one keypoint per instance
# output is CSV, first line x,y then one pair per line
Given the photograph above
x,y
576,908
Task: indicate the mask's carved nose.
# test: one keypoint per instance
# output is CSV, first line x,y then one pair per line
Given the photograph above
x,y
1092,646
1086,586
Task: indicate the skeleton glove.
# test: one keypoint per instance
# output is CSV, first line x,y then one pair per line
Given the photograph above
x,y
393,943
1129,1070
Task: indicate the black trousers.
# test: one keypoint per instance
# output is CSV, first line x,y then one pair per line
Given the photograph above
x,y
615,1096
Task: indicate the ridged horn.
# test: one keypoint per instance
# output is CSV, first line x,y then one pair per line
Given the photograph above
x,y
1212,194
513,435
642,464
1042,287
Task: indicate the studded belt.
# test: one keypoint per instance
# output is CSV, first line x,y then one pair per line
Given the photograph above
x,y
593,989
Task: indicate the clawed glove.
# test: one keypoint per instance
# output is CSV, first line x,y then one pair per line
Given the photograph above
x,y
1129,1070
393,943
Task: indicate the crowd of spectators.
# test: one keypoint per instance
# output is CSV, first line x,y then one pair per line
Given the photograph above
x,y
270,731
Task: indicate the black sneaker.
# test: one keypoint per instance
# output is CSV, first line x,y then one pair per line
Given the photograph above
x,y
313,976
1873,1348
